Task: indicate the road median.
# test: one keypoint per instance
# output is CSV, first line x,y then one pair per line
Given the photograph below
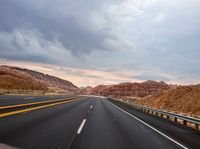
x,y
22,108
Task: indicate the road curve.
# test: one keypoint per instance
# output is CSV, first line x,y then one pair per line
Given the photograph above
x,y
92,123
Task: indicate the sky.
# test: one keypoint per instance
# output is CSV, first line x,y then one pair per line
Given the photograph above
x,y
103,41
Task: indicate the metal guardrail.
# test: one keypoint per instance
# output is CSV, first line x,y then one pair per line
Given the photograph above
x,y
186,120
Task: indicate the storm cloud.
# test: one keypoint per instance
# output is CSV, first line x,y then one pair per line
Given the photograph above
x,y
150,39
69,22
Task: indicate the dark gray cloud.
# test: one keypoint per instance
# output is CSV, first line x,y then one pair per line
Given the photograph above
x,y
65,21
146,38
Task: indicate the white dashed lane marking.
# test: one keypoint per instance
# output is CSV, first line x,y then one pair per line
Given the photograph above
x,y
81,126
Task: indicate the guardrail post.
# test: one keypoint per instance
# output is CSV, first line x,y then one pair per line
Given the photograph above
x,y
167,116
184,122
197,126
156,113
161,115
175,119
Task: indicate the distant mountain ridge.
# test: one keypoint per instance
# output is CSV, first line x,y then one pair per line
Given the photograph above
x,y
13,78
137,90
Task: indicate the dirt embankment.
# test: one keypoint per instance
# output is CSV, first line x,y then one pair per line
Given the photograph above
x,y
183,99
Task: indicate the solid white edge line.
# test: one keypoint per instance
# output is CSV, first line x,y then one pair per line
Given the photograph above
x,y
150,126
81,126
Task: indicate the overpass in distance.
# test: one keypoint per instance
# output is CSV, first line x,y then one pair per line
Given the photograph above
x,y
86,122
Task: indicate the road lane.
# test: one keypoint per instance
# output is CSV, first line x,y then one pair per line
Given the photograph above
x,y
109,128
13,100
32,104
48,128
31,107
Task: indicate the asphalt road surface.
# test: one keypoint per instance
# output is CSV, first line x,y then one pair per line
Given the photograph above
x,y
12,100
89,123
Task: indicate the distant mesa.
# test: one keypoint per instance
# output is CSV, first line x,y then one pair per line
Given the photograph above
x,y
86,90
128,90
14,80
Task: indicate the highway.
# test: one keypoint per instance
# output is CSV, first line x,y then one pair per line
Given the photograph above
x,y
12,100
86,123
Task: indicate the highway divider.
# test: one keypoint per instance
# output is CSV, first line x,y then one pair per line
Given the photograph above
x,y
178,118
34,103
22,108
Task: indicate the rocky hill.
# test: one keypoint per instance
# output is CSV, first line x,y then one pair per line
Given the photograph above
x,y
183,99
100,89
130,90
14,78
86,90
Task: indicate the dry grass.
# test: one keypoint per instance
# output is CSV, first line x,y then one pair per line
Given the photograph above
x,y
183,99
15,80
12,79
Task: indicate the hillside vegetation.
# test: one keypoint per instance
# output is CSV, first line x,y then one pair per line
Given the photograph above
x,y
13,79
183,99
16,80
